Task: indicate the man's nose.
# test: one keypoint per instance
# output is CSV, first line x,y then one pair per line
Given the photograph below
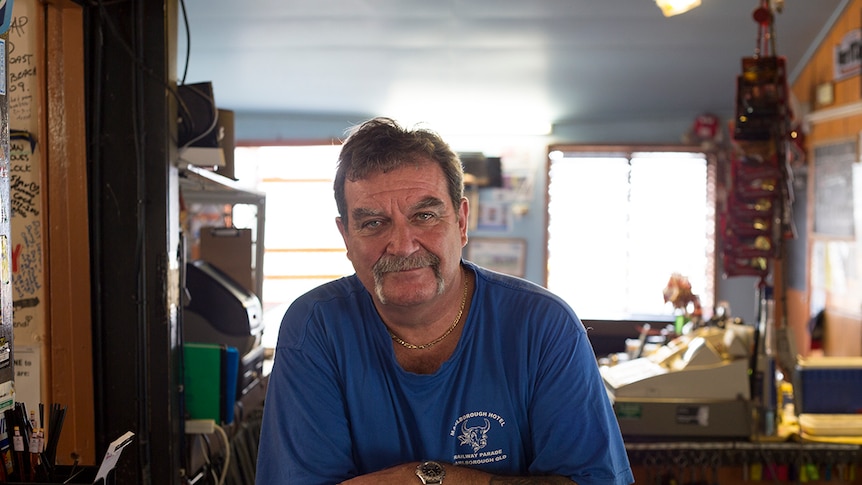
x,y
403,238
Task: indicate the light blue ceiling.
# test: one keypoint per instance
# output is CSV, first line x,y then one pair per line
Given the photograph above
x,y
474,62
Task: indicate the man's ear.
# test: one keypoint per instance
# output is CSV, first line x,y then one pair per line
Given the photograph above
x,y
464,219
341,229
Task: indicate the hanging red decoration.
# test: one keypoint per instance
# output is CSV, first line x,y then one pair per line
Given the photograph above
x,y
756,218
763,16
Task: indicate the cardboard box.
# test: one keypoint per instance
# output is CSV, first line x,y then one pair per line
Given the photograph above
x,y
230,250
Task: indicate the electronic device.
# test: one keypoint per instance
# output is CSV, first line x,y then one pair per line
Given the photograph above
x,y
222,312
695,385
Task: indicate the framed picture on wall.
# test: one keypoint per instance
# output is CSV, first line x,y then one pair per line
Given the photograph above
x,y
505,255
493,216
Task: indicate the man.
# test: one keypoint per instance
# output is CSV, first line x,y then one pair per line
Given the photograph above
x,y
422,367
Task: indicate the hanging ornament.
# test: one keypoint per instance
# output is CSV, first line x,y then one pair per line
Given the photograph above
x,y
763,16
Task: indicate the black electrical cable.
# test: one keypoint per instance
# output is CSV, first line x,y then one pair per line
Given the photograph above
x,y
96,52
190,119
188,41
136,58
143,340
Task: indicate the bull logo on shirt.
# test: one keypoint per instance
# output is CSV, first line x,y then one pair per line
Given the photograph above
x,y
476,436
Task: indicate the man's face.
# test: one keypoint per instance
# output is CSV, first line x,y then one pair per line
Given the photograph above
x,y
403,236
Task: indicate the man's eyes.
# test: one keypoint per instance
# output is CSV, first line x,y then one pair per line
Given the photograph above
x,y
425,216
421,217
372,224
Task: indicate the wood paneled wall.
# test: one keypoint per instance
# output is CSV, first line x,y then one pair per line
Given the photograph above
x,y
825,124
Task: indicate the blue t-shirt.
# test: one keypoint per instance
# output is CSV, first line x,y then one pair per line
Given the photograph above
x,y
520,395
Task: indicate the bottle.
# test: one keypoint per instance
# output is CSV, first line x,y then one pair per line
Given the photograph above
x,y
18,447
764,391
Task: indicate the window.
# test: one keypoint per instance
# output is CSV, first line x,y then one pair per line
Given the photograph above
x,y
620,223
302,246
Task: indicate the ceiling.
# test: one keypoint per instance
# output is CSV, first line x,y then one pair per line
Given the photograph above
x,y
499,64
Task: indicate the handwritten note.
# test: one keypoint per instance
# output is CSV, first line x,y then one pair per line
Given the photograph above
x,y
28,375
23,81
25,178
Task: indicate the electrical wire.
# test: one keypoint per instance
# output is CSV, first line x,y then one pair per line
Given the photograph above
x,y
187,114
105,19
186,110
188,41
140,270
224,470
210,468
94,176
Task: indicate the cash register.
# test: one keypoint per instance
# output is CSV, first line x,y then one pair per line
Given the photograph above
x,y
697,385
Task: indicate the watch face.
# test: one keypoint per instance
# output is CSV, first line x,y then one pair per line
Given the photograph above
x,y
431,470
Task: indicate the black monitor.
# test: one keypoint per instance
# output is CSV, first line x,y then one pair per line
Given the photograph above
x,y
220,310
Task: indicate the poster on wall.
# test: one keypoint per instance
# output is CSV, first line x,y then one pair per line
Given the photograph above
x,y
833,189
836,256
493,216
5,15
857,215
847,56
504,255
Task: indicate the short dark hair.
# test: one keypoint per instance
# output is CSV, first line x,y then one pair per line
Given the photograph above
x,y
381,144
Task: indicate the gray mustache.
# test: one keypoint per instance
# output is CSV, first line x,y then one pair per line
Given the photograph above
x,y
390,264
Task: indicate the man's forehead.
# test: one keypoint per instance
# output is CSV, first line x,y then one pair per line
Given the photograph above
x,y
415,177
405,200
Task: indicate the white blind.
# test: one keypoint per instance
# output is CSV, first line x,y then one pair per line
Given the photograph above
x,y
620,224
303,247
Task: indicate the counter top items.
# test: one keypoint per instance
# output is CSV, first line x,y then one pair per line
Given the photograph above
x,y
784,462
112,456
685,303
829,385
828,398
845,428
695,385
32,455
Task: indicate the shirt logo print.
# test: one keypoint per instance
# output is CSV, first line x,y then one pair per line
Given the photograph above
x,y
475,436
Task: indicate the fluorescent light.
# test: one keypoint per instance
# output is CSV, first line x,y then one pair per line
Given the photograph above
x,y
675,7
481,126
489,127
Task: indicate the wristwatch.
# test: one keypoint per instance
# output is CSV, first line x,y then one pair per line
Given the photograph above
x,y
430,472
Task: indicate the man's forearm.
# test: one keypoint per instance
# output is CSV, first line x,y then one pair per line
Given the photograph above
x,y
455,475
549,480
459,475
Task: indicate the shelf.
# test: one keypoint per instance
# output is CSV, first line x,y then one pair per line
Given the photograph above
x,y
201,186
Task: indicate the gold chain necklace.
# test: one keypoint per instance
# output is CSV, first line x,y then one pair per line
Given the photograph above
x,y
440,338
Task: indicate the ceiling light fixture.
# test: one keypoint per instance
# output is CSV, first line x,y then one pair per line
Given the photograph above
x,y
675,7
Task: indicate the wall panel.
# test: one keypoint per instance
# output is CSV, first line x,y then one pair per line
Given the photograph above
x,y
834,285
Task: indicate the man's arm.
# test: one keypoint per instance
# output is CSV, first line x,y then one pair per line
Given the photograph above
x,y
455,475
